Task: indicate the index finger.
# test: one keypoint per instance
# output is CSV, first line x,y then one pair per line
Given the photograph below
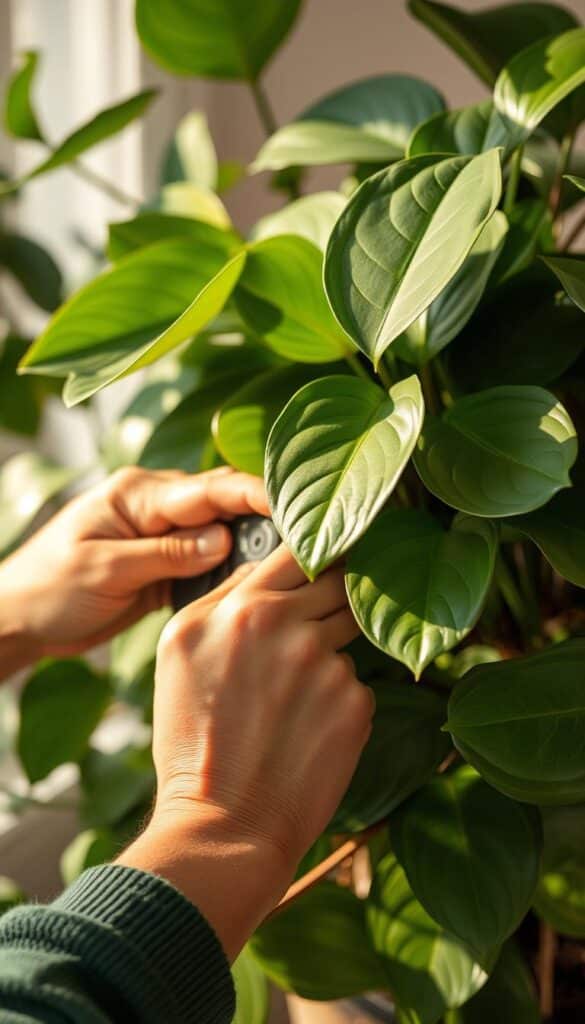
x,y
217,494
279,571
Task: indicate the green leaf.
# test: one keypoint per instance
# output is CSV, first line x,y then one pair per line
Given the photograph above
x,y
421,593
333,458
10,894
277,271
489,38
500,452
534,83
20,400
461,131
508,996
558,529
401,238
127,235
334,958
521,724
577,182
489,847
114,784
450,311
191,155
88,850
560,897
366,122
570,271
405,747
27,482
311,217
132,659
60,706
34,268
184,199
427,969
20,118
190,37
97,338
252,995
242,425
529,219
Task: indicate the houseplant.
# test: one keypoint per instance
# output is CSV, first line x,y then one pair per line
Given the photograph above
x,y
403,359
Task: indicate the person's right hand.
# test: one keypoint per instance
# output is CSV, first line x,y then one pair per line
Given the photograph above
x,y
258,726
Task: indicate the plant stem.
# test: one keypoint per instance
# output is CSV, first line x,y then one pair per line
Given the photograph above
x,y
557,186
105,186
352,359
546,969
513,180
444,381
509,591
384,374
264,108
432,401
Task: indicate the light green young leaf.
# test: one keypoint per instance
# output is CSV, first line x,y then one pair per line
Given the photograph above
x,y
453,131
521,724
366,122
490,850
401,238
152,226
184,199
428,970
311,217
333,458
417,590
191,155
560,897
499,452
27,482
570,271
448,314
221,40
577,182
558,529
508,996
278,271
34,268
252,995
60,706
20,118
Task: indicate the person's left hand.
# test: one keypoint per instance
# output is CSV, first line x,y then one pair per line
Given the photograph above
x,y
108,557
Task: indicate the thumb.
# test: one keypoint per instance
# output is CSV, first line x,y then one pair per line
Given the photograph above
x,y
192,552
226,586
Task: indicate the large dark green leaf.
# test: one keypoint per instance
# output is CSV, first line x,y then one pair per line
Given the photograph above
x,y
366,122
570,271
224,39
508,996
401,238
333,458
500,452
34,268
278,271
60,706
559,531
448,314
334,957
126,319
487,39
404,749
521,723
20,118
127,235
252,995
312,217
489,847
560,897
20,400
428,970
417,590
27,482
112,785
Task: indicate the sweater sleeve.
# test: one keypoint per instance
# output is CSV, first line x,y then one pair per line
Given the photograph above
x,y
119,945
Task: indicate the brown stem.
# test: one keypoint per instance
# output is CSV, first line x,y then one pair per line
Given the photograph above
x,y
546,969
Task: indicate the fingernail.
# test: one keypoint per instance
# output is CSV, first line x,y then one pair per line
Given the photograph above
x,y
212,540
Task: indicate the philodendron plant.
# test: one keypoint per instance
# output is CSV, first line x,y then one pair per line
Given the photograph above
x,y
403,357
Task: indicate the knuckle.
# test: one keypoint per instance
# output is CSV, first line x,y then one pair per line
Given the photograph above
x,y
305,647
359,704
178,635
175,549
245,613
124,478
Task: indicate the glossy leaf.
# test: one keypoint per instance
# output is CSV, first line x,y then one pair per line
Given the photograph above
x,y
252,995
242,425
577,182
20,118
487,39
502,451
427,969
312,217
528,222
191,155
404,749
453,131
60,706
570,271
190,37
558,529
333,458
490,850
401,238
416,590
508,996
127,235
89,849
27,482
368,121
278,271
97,338
521,723
184,199
450,311
334,958
113,784
560,897
34,268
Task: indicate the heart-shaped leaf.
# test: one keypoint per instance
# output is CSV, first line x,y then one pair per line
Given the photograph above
x,y
401,238
367,122
560,897
521,723
20,117
558,530
335,958
127,235
500,452
448,314
27,482
489,847
428,970
60,706
508,996
405,747
333,458
570,271
453,131
251,985
279,270
311,217
417,590
190,37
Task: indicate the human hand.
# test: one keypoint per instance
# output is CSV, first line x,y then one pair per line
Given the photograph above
x,y
107,558
258,727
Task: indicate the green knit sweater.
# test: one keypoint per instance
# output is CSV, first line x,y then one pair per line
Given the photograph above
x,y
118,946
